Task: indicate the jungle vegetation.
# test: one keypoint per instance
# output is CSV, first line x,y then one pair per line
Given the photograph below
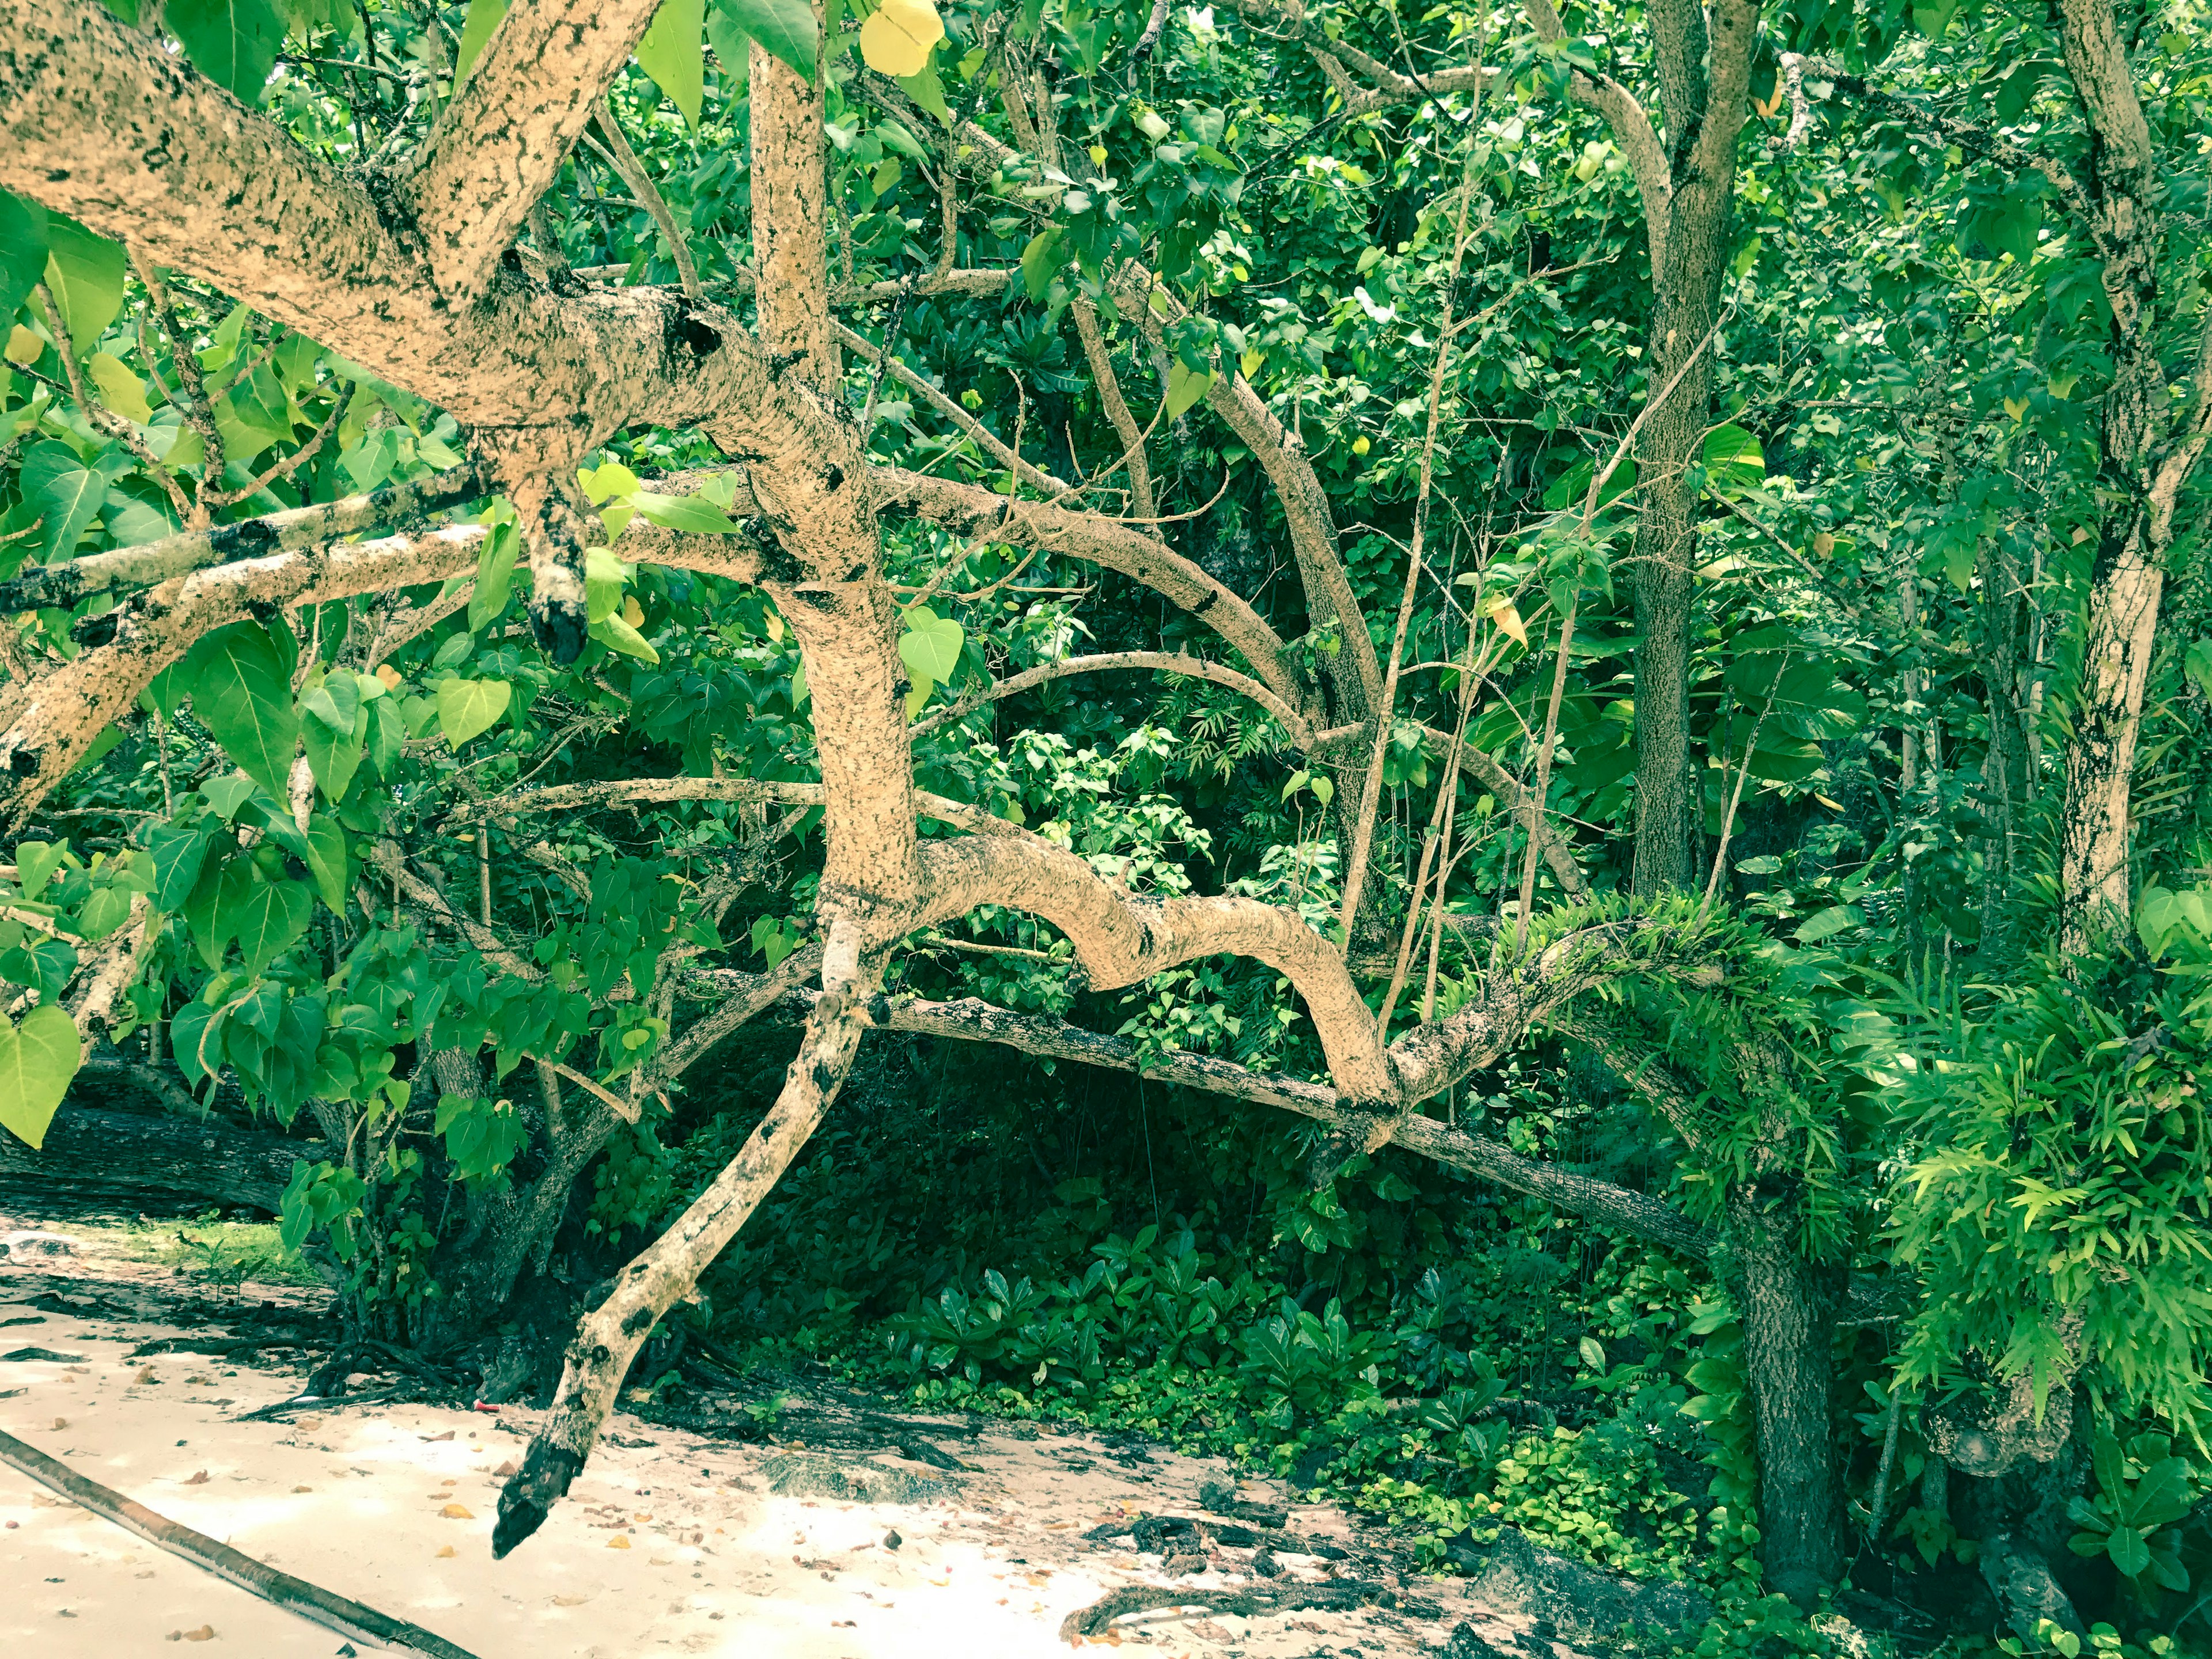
x,y
1467,749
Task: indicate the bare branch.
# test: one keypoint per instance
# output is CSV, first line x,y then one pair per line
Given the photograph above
x,y
1161,662
639,182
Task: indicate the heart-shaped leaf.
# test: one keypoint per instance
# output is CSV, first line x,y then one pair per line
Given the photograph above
x,y
243,694
37,1060
467,707
271,915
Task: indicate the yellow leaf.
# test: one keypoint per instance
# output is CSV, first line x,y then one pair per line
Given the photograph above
x,y
1824,545
389,675
456,1512
618,1543
2016,407
1250,362
633,612
896,41
23,346
448,1550
1508,618
119,389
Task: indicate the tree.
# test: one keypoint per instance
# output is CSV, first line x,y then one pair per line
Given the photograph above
x,y
397,243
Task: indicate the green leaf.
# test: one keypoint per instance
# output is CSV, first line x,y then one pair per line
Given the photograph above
x,y
334,759
35,864
1733,461
85,272
104,910
178,853
326,860
1186,385
66,493
617,635
927,90
22,250
692,512
1593,1353
2162,1496
468,708
336,703
233,42
1041,262
674,53
603,583
495,576
785,27
931,646
270,915
241,693
484,17
387,734
1828,923
2128,1552
37,1060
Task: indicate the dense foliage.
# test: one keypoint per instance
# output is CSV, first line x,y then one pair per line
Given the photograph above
x,y
308,877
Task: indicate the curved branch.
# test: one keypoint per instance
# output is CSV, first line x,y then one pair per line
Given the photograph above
x,y
1121,940
1110,543
1632,129
1161,662
970,1020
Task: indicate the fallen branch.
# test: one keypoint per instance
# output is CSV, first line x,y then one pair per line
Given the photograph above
x,y
311,1601
1094,1619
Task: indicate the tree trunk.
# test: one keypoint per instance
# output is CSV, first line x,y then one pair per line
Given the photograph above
x,y
2000,641
1788,1332
134,1160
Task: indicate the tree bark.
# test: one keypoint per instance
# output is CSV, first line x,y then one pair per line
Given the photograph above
x,y
608,1337
1788,1332
95,1155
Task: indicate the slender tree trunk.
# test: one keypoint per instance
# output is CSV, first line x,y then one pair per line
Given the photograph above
x,y
2000,641
1788,1329
608,1337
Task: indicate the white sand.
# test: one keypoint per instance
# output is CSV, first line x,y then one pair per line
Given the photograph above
x,y
667,1541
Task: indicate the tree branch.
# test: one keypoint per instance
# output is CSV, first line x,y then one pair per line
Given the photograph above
x,y
498,145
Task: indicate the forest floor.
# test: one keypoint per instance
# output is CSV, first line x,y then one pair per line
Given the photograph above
x,y
670,1539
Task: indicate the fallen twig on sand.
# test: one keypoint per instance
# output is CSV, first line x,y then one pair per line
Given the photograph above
x,y
310,1601
1244,1604
333,1402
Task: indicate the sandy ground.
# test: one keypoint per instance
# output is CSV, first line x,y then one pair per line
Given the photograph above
x,y
668,1541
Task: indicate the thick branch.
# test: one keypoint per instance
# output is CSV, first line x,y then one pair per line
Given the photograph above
x,y
500,143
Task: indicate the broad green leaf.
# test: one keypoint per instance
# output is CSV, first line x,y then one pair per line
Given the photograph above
x,y
233,42
387,734
1186,385
484,16
336,703
467,707
1041,262
786,28
602,585
1826,924
2129,1552
930,645
119,389
85,272
618,636
326,860
227,794
266,920
176,853
104,910
692,512
38,1057
66,493
334,759
35,864
22,250
495,576
674,53
1733,461
241,693
927,89
2162,1496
